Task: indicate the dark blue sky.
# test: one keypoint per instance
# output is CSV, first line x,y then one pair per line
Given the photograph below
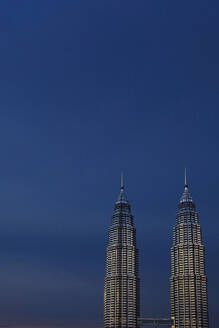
x,y
88,88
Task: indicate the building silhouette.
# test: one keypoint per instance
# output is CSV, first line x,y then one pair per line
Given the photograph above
x,y
188,283
121,284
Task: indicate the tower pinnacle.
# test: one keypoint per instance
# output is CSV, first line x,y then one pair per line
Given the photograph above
x,y
122,181
186,197
122,197
185,184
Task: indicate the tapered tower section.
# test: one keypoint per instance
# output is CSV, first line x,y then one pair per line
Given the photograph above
x,y
188,283
121,285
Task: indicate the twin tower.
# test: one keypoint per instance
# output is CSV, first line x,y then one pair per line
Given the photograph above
x,y
188,283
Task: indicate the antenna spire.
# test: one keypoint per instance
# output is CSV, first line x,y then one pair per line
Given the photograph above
x,y
122,181
186,184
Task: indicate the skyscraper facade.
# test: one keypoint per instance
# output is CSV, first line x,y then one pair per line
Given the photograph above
x,y
121,284
188,283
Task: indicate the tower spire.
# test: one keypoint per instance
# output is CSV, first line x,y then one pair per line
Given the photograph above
x,y
122,197
185,184
122,181
186,197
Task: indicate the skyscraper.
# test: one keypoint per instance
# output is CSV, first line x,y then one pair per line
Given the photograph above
x,y
121,284
188,283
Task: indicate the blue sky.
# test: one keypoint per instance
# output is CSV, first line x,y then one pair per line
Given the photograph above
x,y
88,88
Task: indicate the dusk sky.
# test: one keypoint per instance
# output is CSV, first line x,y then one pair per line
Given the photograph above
x,y
89,88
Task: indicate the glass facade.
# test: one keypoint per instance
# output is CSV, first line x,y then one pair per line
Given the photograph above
x,y
188,282
121,284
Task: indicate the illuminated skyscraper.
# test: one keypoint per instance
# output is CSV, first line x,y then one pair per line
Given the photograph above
x,y
121,284
188,283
